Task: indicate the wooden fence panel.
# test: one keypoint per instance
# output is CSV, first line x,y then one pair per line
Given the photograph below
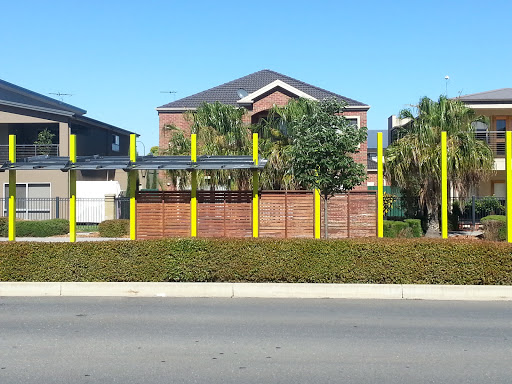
x,y
282,214
224,213
272,212
286,214
337,211
351,214
363,214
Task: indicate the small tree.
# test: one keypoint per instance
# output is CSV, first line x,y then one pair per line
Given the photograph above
x,y
322,150
44,141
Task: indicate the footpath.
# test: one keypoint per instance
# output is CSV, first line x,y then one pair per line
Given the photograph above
x,y
260,290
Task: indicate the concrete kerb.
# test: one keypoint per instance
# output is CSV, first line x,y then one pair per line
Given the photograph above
x,y
260,290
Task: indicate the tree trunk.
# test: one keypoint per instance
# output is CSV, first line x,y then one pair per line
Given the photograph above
x,y
433,229
326,229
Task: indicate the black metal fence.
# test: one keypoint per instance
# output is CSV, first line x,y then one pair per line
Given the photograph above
x,y
464,213
88,211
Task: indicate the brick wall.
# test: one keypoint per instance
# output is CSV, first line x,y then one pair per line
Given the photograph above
x,y
267,102
175,118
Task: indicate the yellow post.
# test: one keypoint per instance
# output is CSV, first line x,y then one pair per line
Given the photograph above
x,y
133,188
12,189
444,187
72,190
193,192
317,213
255,187
508,167
380,187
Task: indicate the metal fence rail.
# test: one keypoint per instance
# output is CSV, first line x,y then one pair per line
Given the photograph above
x,y
90,211
464,212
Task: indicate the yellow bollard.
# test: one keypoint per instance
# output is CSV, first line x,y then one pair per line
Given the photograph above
x,y
72,190
380,188
255,187
508,167
133,188
317,213
193,192
444,187
12,189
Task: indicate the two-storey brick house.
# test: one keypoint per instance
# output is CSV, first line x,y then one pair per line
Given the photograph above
x,y
257,93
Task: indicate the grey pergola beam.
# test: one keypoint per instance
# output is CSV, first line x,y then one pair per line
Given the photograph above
x,y
182,163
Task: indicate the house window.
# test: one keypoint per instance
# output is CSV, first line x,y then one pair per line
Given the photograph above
x,y
501,125
33,201
353,120
115,143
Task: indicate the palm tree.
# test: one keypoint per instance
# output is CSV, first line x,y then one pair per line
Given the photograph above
x,y
220,132
413,162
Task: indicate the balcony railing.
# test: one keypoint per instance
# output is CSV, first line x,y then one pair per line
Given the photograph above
x,y
495,140
28,150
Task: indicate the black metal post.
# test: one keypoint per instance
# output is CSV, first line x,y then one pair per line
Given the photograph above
x,y
473,213
57,206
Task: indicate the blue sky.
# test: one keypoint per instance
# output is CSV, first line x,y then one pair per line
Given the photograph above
x,y
116,57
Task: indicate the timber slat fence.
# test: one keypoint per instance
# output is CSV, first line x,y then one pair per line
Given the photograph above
x,y
282,214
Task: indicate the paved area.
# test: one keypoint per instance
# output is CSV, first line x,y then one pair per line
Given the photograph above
x,y
162,340
63,239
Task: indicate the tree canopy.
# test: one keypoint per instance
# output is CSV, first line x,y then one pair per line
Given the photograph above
x,y
413,162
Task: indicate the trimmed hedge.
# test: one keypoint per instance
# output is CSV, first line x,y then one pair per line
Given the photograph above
x,y
495,227
415,225
114,228
36,228
406,228
385,261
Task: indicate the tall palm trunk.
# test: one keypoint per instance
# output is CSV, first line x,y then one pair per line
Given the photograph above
x,y
433,229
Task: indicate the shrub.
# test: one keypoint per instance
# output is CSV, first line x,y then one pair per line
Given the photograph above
x,y
4,226
41,228
415,225
395,228
495,227
371,260
114,228
406,228
489,205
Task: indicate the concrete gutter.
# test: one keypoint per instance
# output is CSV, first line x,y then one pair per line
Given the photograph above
x,y
262,290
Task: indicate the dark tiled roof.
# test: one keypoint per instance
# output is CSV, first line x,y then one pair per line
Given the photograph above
x,y
498,95
14,94
228,93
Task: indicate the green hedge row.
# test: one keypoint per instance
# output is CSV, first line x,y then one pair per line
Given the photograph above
x,y
404,261
40,228
114,228
406,228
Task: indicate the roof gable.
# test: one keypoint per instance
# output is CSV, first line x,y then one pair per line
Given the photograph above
x,y
269,87
227,93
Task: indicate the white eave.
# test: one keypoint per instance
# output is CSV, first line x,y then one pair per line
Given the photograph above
x,y
249,99
489,106
175,109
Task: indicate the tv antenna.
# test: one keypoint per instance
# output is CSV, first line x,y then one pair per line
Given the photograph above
x,y
60,95
173,92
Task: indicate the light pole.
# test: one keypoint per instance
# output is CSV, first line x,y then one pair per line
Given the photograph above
x,y
143,146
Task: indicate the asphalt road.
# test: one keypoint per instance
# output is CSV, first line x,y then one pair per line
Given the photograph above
x,y
164,340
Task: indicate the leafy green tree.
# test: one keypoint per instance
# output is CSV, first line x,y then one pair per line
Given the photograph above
x,y
276,133
322,150
413,162
44,141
